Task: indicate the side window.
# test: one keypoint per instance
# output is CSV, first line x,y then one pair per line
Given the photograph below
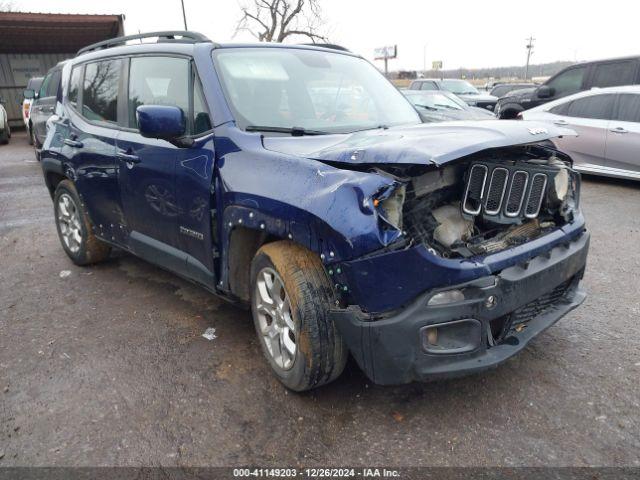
x,y
54,83
43,88
596,107
568,82
74,86
614,74
201,119
158,81
560,109
100,91
629,108
428,86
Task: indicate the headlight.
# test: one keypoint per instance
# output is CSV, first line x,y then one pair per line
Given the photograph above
x,y
442,298
389,206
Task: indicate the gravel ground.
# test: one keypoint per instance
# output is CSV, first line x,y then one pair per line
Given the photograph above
x,y
107,366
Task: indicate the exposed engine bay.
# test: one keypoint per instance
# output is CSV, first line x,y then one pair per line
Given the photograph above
x,y
484,203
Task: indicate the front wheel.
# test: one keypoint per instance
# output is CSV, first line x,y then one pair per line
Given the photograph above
x,y
74,227
290,301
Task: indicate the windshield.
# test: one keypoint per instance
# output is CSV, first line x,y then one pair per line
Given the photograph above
x,y
459,87
308,89
436,101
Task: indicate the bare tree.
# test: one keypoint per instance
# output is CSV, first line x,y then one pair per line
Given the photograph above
x,y
275,20
6,6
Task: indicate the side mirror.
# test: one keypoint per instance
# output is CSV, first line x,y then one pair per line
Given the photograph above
x,y
29,94
159,121
544,91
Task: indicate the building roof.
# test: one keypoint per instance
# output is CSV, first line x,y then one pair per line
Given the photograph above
x,y
27,32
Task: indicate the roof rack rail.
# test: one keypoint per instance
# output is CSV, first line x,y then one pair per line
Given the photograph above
x,y
332,46
185,36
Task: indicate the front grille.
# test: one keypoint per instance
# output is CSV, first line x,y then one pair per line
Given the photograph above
x,y
504,191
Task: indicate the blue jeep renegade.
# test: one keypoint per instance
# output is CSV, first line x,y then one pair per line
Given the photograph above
x,y
298,181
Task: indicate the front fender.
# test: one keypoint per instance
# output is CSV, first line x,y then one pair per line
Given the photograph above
x,y
322,207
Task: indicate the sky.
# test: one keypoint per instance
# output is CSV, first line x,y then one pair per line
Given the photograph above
x,y
463,33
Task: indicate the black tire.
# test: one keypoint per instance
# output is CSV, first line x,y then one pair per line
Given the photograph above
x,y
89,249
30,137
321,353
4,136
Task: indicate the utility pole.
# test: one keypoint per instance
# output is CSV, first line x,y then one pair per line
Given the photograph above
x,y
184,15
530,41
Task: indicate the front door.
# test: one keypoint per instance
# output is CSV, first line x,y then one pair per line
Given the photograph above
x,y
154,209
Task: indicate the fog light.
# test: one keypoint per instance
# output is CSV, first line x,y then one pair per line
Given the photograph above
x,y
450,296
459,336
491,302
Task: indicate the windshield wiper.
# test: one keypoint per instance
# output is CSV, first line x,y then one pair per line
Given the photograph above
x,y
427,107
446,106
293,131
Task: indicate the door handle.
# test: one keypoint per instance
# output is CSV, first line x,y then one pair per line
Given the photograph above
x,y
73,143
128,157
619,130
561,122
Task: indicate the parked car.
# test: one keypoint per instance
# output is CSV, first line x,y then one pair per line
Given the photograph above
x,y
5,130
426,251
573,79
442,106
502,89
43,106
33,86
461,88
608,125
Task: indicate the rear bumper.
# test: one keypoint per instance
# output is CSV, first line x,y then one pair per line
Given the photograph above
x,y
530,298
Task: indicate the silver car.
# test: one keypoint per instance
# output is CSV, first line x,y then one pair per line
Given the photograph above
x,y
607,121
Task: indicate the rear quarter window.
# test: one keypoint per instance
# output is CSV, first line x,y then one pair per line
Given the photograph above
x,y
614,74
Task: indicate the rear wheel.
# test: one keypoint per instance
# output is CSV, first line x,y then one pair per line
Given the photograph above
x,y
290,300
74,227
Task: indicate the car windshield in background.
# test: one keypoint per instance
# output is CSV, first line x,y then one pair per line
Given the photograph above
x,y
308,90
436,101
459,87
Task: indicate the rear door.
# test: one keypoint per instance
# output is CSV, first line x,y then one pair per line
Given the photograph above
x,y
89,143
623,136
589,117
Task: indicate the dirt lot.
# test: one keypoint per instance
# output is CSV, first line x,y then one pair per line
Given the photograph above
x,y
107,366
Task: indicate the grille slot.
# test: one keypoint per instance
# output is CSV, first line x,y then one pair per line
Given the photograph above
x,y
472,203
497,187
536,193
539,306
515,198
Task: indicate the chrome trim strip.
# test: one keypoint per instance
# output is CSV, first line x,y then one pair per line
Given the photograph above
x,y
504,189
524,191
466,193
544,187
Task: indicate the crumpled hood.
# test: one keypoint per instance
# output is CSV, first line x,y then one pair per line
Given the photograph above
x,y
417,144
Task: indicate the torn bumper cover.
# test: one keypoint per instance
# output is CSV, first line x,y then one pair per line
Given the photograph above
x,y
497,317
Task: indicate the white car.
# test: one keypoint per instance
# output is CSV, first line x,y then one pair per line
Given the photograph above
x,y
5,131
607,121
33,86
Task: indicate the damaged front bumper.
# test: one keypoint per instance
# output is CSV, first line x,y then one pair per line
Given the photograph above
x,y
499,315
